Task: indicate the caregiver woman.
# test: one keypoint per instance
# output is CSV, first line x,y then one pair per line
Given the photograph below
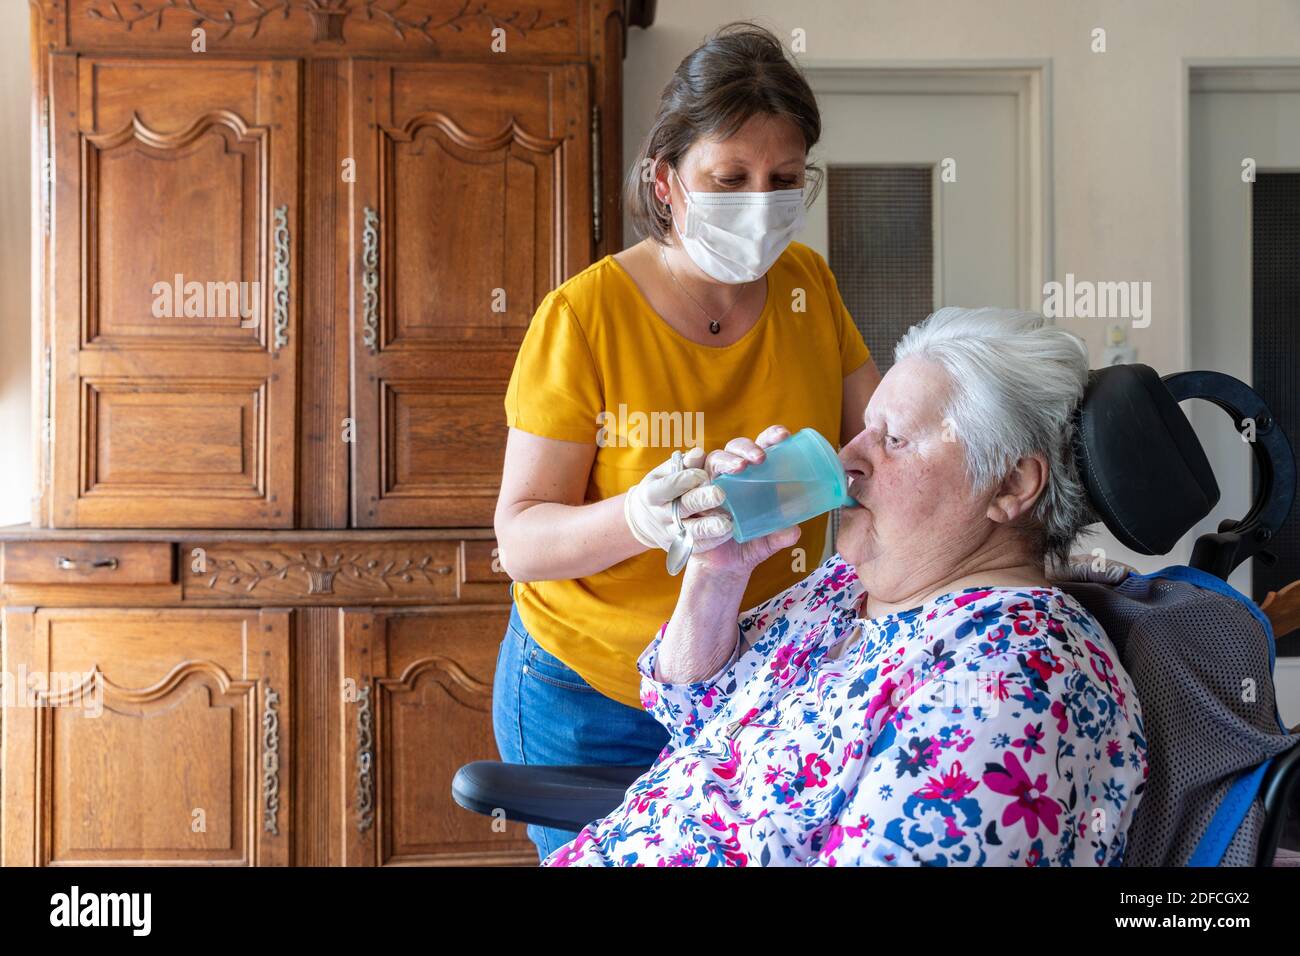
x,y
715,319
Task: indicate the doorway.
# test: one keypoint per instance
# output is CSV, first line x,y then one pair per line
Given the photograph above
x,y
1244,279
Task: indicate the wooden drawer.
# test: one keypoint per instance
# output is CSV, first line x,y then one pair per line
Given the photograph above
x,y
88,562
312,571
242,570
480,576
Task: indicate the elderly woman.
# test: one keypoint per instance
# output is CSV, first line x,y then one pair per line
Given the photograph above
x,y
926,696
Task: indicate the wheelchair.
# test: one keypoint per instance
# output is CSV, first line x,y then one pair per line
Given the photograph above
x,y
1149,482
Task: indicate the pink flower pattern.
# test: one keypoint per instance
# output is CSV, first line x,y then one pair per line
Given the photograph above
x,y
986,727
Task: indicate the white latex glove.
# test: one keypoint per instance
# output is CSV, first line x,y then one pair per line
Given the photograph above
x,y
648,505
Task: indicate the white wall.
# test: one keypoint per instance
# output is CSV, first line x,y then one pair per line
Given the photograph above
x,y
15,267
1117,117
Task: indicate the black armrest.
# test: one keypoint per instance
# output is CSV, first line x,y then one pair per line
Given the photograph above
x,y
1278,790
567,798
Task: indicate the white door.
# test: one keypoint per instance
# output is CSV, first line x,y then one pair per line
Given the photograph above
x,y
979,134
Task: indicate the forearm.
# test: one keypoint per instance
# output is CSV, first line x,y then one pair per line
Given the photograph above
x,y
548,541
703,630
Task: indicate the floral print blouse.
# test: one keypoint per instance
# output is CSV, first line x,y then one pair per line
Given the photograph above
x,y
990,726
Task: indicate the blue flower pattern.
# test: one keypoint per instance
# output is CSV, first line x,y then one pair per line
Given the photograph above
x,y
991,726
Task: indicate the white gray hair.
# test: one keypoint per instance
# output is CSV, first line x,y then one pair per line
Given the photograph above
x,y
1016,383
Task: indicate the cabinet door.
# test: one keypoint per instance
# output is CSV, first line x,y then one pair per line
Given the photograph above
x,y
174,278
157,737
472,201
417,705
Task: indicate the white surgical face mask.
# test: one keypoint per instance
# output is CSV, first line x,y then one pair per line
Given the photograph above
x,y
735,237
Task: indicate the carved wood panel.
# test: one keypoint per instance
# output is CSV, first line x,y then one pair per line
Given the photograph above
x,y
114,703
175,340
420,708
434,27
292,572
473,199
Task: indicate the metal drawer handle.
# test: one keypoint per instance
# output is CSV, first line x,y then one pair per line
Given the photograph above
x,y
69,564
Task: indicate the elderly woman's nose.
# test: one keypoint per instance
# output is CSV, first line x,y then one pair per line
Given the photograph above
x,y
854,459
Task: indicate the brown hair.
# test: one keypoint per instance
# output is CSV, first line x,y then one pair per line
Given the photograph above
x,y
739,71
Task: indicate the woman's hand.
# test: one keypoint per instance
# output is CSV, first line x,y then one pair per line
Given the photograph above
x,y
702,633
726,556
648,505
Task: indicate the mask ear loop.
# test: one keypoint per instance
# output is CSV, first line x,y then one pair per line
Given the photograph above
x,y
681,232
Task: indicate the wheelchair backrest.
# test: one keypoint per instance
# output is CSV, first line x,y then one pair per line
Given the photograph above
x,y
1201,657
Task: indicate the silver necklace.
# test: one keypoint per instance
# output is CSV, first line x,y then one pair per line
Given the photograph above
x,y
715,325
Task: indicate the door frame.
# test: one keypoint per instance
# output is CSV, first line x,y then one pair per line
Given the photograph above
x,y
1224,75
1202,76
1213,75
1227,74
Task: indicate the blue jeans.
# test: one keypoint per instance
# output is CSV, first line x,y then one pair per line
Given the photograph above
x,y
544,713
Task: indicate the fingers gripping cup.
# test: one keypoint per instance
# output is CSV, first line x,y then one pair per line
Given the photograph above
x,y
800,478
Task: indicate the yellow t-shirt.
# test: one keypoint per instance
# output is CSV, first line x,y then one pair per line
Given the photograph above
x,y
599,365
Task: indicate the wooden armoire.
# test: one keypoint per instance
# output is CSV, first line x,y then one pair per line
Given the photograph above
x,y
256,616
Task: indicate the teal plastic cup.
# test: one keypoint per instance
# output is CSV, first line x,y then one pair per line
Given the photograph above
x,y
800,478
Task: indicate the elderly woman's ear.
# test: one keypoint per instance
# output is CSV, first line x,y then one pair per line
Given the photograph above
x,y
1020,490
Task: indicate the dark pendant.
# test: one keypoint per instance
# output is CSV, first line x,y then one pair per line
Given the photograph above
x,y
714,327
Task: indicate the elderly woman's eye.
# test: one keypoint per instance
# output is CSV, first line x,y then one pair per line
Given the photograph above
x,y
893,441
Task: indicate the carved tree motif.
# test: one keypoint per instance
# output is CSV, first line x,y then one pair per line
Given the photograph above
x,y
321,570
226,20
327,16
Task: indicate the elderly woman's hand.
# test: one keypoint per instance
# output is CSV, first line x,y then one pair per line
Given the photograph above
x,y
729,557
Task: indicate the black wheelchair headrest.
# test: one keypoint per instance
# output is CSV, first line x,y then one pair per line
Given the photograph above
x,y
1148,478
1144,468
